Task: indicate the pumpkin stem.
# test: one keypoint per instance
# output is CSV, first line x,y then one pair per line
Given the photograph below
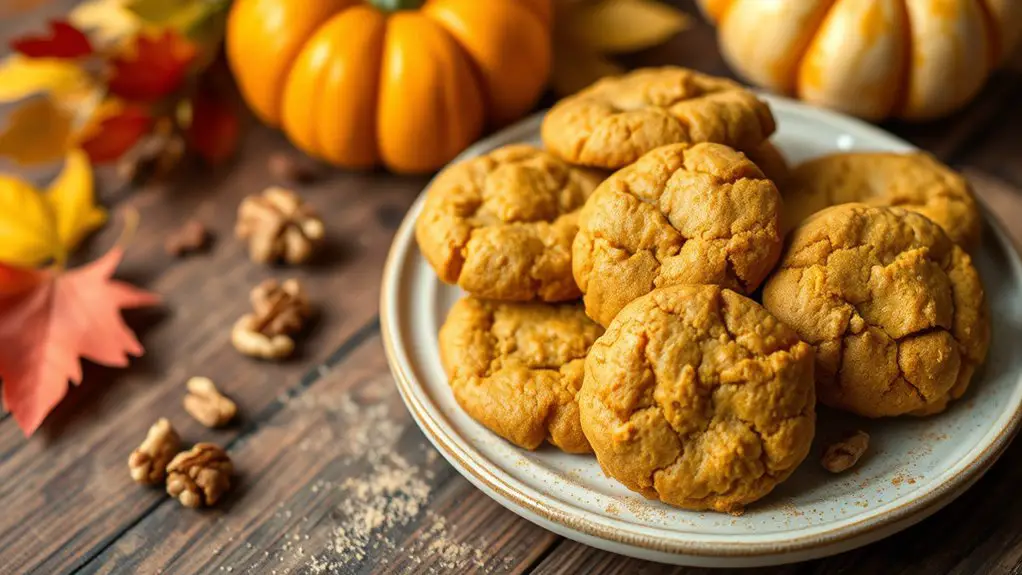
x,y
397,5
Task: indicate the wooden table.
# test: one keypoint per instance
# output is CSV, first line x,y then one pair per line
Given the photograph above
x,y
332,475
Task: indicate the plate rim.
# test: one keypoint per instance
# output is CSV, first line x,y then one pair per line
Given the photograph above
x,y
429,418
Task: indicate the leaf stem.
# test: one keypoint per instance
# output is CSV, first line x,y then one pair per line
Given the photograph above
x,y
396,5
131,219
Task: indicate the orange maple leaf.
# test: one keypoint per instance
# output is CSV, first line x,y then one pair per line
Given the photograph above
x,y
114,130
64,41
48,320
153,67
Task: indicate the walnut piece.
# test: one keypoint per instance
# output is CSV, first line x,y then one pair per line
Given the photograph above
x,y
280,310
247,339
844,454
207,405
148,463
192,237
200,476
278,226
293,169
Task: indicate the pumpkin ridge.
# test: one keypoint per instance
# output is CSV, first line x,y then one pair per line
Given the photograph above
x,y
507,47
995,43
900,101
806,43
421,59
248,26
368,56
473,65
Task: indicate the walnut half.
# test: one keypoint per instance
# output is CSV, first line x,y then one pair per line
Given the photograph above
x,y
844,454
148,463
207,405
200,476
280,310
279,226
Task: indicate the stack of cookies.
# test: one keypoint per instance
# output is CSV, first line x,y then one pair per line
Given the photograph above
x,y
614,314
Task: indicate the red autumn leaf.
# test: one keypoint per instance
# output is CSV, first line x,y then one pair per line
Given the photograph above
x,y
115,133
51,321
214,128
154,67
64,41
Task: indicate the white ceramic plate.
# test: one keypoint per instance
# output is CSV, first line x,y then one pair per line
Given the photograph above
x,y
914,467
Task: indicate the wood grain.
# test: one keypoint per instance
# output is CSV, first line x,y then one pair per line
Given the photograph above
x,y
999,151
338,480
1002,199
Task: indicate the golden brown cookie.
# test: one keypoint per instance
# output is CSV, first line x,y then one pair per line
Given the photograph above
x,y
699,397
517,367
501,225
915,182
894,308
616,120
681,214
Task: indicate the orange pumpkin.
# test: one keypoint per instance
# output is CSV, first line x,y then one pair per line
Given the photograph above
x,y
403,83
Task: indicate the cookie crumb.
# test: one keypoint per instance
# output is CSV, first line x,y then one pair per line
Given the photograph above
x,y
844,454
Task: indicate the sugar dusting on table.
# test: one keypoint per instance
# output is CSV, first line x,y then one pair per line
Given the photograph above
x,y
370,510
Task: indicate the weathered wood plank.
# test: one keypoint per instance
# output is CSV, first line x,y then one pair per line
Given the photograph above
x,y
572,557
999,150
1003,199
338,481
69,481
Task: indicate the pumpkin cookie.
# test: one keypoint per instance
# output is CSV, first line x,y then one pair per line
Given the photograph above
x,y
500,226
516,368
697,396
915,182
616,120
681,214
894,308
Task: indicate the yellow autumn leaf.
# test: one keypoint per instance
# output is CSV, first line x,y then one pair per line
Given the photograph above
x,y
28,231
72,201
38,131
107,21
21,77
616,26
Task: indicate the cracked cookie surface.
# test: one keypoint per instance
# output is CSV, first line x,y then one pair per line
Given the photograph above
x,y
616,120
915,182
500,226
699,397
516,368
894,308
681,214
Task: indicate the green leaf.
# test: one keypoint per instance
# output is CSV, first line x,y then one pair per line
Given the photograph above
x,y
179,14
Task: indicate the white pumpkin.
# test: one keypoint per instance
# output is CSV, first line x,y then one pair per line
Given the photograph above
x,y
913,59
